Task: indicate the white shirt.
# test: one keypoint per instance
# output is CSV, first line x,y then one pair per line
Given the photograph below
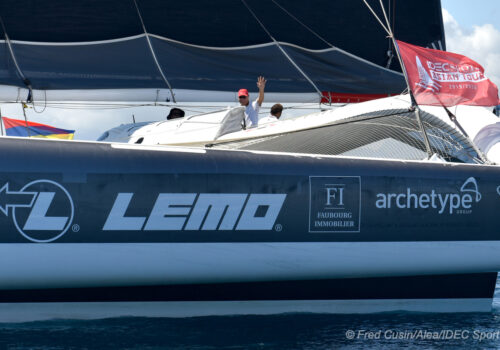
x,y
269,119
252,114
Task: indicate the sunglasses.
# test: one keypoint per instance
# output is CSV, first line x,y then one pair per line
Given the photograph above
x,y
242,97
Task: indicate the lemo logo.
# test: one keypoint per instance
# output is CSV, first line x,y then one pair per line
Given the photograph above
x,y
199,211
42,211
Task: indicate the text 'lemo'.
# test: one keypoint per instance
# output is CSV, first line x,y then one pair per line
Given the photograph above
x,y
204,211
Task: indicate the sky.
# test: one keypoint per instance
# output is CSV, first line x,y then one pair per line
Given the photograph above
x,y
473,13
472,28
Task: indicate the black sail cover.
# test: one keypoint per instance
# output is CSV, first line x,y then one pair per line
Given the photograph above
x,y
211,47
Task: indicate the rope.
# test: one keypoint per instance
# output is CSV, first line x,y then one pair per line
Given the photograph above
x,y
393,15
282,50
304,25
413,101
19,71
187,107
21,74
45,102
390,54
378,19
391,35
153,52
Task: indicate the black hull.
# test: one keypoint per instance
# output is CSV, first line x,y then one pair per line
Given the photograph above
x,y
91,223
460,286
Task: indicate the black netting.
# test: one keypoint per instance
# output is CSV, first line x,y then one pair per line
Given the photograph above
x,y
391,134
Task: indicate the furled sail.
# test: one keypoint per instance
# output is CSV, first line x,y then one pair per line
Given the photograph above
x,y
193,50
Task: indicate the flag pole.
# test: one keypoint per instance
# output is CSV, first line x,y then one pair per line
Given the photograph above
x,y
25,118
1,121
414,105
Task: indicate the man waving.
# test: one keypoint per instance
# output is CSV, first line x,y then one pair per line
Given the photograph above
x,y
252,109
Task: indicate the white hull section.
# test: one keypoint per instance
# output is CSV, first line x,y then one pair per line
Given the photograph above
x,y
35,266
199,130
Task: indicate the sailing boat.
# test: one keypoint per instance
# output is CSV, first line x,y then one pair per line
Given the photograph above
x,y
200,230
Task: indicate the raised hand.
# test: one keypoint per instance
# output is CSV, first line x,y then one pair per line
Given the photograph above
x,y
261,83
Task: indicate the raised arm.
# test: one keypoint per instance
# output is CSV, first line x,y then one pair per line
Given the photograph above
x,y
261,84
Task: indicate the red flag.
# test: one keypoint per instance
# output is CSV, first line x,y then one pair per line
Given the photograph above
x,y
440,78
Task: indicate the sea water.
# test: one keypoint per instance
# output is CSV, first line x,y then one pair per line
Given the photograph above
x,y
290,331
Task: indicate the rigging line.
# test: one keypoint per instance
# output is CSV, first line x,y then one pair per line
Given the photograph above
x,y
389,10
304,25
393,15
282,50
11,51
153,52
389,6
454,119
376,16
389,32
45,101
1,121
413,101
386,19
390,54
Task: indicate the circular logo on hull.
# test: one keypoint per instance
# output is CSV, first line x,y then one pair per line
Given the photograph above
x,y
48,216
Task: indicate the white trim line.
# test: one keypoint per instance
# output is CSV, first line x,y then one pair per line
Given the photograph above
x,y
201,46
80,43
215,48
138,147
110,264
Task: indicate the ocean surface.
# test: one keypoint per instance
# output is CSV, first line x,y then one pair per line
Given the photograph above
x,y
291,331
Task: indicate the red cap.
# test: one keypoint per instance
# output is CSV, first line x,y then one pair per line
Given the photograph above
x,y
242,92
